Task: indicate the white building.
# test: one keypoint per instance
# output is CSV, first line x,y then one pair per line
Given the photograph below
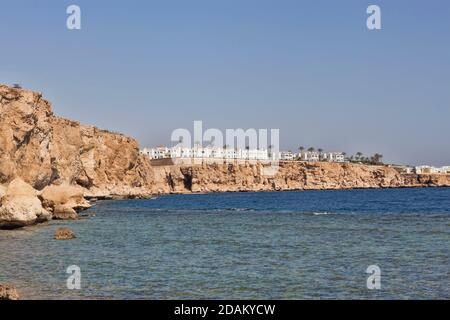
x,y
332,156
218,153
445,170
199,152
211,152
160,152
424,169
254,154
432,170
287,155
309,156
408,169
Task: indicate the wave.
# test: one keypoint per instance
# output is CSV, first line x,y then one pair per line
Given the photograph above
x,y
322,213
241,210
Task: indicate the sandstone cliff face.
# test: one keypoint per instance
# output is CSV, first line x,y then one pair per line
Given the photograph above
x,y
44,149
290,176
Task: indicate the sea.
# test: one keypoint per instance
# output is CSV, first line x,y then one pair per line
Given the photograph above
x,y
342,244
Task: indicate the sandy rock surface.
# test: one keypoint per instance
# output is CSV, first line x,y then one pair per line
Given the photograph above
x,y
20,206
64,234
8,292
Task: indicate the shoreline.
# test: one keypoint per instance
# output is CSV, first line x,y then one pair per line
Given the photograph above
x,y
156,196
125,197
295,190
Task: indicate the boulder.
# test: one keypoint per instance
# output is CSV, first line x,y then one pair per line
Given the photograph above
x,y
64,234
20,206
8,292
64,200
64,212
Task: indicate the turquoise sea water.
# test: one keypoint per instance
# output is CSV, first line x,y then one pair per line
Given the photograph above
x,y
285,245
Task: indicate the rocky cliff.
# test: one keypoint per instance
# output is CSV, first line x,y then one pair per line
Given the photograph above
x,y
289,176
44,149
64,161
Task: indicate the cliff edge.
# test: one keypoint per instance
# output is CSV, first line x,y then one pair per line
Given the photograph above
x,y
291,175
44,149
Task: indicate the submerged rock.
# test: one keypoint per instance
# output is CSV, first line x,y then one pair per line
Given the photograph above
x,y
64,234
8,292
64,212
20,206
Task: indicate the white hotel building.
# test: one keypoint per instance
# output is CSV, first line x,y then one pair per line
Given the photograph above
x,y
332,156
163,152
432,170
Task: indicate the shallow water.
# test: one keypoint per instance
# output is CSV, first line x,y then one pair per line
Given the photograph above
x,y
286,245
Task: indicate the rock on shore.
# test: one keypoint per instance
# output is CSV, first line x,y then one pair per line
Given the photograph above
x,y
20,206
8,292
64,201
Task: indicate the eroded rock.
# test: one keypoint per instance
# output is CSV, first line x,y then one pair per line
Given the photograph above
x,y
20,206
8,292
64,212
64,200
44,149
64,234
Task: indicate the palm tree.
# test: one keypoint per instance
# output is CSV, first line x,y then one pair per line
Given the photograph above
x,y
359,155
269,149
311,149
248,153
300,149
320,150
376,159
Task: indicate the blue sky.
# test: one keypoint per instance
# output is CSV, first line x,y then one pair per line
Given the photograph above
x,y
310,68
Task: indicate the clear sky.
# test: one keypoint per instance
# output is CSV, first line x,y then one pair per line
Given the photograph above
x,y
310,68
